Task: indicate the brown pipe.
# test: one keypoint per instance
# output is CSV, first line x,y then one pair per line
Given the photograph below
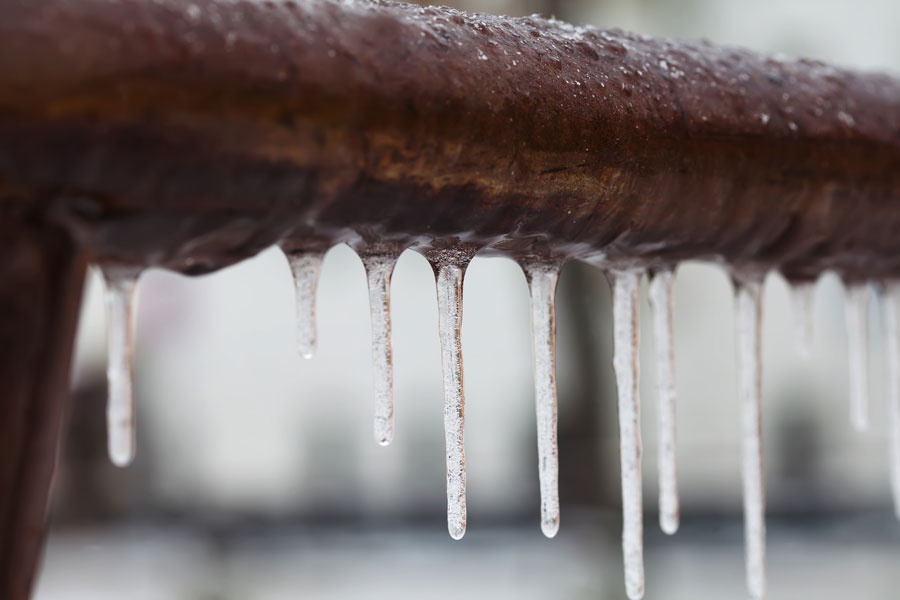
x,y
194,134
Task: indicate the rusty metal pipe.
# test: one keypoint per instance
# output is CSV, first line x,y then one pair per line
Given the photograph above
x,y
191,135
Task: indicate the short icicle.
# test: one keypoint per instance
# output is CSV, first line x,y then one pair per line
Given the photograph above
x,y
625,364
305,267
802,299
857,316
449,278
379,268
891,307
542,280
120,417
660,292
749,363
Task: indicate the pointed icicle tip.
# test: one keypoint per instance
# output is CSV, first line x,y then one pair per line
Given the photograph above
x,y
749,362
449,281
379,268
305,268
660,293
120,414
625,286
857,317
542,280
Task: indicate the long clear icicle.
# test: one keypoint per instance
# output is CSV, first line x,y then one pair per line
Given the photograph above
x,y
449,293
120,422
305,267
857,316
891,307
625,363
378,273
542,280
749,362
660,292
802,299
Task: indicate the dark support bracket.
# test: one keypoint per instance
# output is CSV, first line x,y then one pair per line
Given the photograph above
x,y
41,275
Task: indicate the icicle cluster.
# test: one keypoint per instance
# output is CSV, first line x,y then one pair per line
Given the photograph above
x,y
449,267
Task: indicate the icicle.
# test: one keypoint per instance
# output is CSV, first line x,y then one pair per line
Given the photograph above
x,y
802,298
449,275
660,292
305,267
891,309
379,268
857,316
625,363
120,288
749,362
542,280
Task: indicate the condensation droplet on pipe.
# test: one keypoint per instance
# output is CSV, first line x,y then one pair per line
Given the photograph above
x,y
660,293
120,413
625,364
449,277
379,268
542,279
891,308
857,316
305,267
802,300
749,363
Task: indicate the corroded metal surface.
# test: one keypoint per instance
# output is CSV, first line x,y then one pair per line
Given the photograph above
x,y
194,134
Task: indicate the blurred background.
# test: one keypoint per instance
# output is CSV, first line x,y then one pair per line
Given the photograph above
x,y
257,476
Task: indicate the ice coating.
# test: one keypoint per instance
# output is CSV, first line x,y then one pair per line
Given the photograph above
x,y
660,293
120,293
625,363
378,274
305,267
802,299
857,316
449,276
749,363
891,308
542,279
